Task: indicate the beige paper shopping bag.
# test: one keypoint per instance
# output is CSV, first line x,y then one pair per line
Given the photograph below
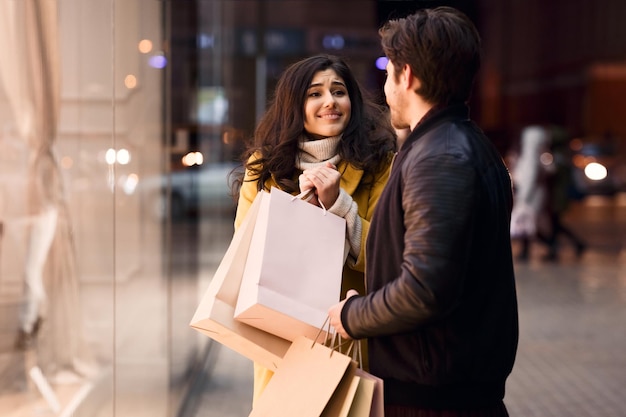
x,y
341,402
361,404
294,266
214,316
370,396
306,380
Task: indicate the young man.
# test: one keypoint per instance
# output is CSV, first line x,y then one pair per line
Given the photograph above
x,y
440,313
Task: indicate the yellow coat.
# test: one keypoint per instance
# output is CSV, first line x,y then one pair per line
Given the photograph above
x,y
366,197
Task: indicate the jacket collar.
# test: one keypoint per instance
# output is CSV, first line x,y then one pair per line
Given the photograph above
x,y
435,117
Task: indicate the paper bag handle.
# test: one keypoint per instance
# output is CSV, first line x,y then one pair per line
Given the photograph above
x,y
307,195
335,342
328,331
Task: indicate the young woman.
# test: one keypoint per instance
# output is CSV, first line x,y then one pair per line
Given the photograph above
x,y
320,134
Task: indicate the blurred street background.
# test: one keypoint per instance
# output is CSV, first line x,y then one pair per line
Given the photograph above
x,y
129,116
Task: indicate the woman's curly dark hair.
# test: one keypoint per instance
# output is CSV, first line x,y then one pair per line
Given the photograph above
x,y
366,142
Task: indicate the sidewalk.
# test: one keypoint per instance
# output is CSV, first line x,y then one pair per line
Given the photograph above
x,y
571,354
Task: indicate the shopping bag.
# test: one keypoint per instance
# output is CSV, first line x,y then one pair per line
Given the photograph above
x,y
309,378
361,404
362,396
369,399
214,316
341,403
294,267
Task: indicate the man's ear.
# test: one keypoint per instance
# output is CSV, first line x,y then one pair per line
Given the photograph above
x,y
410,80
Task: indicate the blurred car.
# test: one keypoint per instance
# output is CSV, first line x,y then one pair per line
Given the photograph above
x,y
196,189
598,170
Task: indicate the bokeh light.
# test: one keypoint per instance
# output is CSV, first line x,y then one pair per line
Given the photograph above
x,y
193,158
596,171
157,61
381,63
130,81
145,46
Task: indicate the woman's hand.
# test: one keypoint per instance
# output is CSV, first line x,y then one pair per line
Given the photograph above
x,y
325,181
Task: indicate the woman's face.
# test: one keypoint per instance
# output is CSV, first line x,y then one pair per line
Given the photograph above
x,y
327,107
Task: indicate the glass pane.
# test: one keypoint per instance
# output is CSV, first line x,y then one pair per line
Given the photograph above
x,y
81,142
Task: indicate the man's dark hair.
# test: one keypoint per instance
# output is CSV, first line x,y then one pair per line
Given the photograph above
x,y
442,48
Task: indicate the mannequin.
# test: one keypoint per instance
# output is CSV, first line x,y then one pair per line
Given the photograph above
x,y
41,234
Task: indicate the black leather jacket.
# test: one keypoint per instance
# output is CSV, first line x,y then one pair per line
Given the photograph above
x,y
440,314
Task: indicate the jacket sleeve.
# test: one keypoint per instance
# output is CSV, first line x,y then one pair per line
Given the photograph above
x,y
437,201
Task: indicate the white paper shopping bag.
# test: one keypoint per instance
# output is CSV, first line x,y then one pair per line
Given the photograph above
x,y
294,266
214,316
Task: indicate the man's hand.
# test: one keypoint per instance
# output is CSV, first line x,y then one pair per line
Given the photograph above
x,y
334,313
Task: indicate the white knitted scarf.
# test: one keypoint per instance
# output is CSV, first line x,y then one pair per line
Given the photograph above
x,y
314,153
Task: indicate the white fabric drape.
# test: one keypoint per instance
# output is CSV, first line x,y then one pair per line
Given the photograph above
x,y
30,76
30,68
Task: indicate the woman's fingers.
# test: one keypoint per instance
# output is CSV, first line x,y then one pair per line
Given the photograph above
x,y
325,180
305,183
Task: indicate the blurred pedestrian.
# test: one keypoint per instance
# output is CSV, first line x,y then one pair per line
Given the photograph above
x,y
530,218
560,181
440,314
319,133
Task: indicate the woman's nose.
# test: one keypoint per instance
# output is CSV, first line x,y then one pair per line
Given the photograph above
x,y
329,99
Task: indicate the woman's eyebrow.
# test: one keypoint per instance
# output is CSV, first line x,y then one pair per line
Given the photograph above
x,y
334,82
